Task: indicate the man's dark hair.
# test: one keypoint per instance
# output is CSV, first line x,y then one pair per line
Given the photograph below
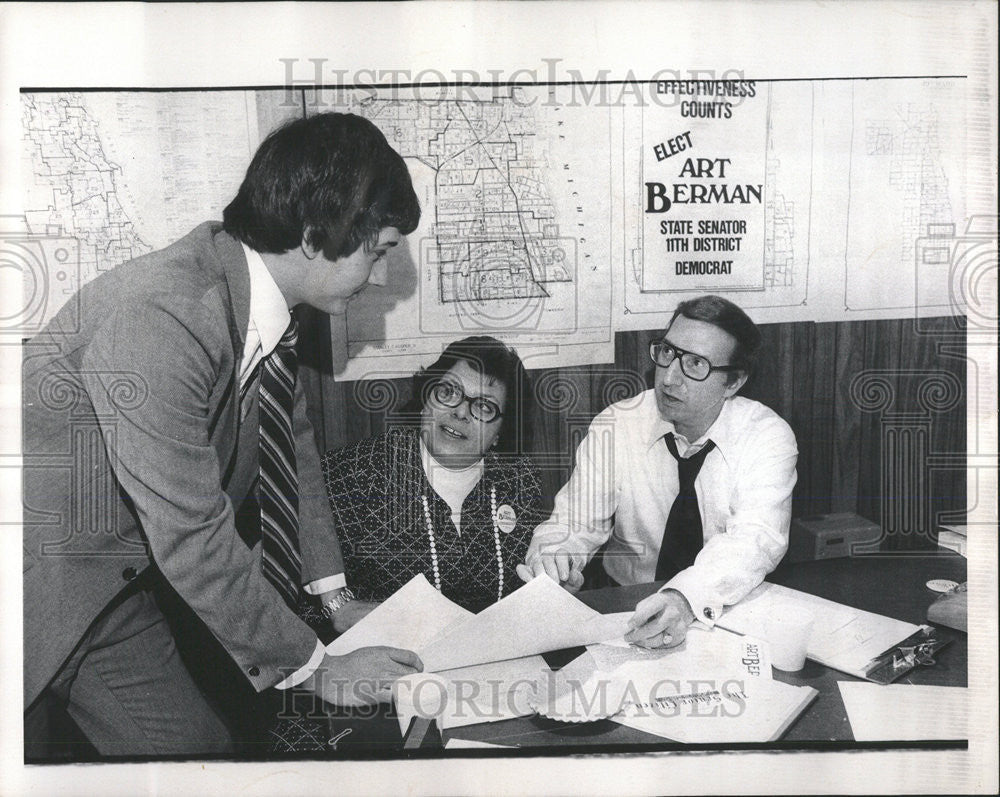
x,y
331,179
729,318
491,358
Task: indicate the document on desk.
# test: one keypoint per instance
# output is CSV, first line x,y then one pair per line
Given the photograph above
x,y
843,638
477,667
904,712
757,710
490,692
469,744
539,617
715,687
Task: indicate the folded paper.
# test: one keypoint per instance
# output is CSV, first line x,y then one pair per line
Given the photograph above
x,y
539,617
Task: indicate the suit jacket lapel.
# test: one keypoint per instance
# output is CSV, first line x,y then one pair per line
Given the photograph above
x,y
237,278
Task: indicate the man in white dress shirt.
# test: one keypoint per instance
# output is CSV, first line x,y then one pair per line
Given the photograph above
x,y
687,482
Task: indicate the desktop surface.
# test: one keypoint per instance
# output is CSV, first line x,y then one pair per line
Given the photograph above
x,y
892,584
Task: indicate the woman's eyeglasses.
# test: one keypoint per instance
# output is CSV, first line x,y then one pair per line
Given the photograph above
x,y
449,394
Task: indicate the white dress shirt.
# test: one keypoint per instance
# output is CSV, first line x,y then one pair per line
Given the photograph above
x,y
625,481
269,318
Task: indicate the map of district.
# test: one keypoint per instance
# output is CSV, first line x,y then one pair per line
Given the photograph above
x,y
514,237
907,149
73,188
494,231
119,174
507,191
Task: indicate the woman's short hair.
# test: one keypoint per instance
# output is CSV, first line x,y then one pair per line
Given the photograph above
x,y
730,319
491,358
331,179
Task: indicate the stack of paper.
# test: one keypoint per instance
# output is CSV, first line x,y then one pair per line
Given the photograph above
x,y
758,710
715,687
843,638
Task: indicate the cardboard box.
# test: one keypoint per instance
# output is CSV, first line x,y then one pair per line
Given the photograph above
x,y
831,536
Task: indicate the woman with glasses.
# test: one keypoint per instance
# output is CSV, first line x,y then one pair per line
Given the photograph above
x,y
450,494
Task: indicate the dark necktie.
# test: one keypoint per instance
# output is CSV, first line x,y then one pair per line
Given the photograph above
x,y
278,489
682,536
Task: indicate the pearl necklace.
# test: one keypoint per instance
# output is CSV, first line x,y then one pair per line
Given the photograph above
x,y
496,541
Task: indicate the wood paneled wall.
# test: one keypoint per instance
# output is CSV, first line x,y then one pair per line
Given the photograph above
x,y
878,408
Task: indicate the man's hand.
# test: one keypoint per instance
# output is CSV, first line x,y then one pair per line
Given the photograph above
x,y
363,677
557,565
350,613
660,621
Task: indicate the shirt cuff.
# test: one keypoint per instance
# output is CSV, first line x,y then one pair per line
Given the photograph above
x,y
704,604
321,585
304,672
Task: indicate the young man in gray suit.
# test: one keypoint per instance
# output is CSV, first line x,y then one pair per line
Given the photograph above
x,y
143,417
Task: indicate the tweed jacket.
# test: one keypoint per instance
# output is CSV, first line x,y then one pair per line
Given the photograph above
x,y
377,488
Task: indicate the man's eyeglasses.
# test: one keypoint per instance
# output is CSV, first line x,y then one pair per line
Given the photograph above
x,y
693,365
449,394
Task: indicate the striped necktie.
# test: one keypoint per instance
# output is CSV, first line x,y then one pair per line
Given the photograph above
x,y
682,535
278,490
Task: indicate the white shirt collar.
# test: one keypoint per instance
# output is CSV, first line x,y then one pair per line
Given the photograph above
x,y
721,431
269,315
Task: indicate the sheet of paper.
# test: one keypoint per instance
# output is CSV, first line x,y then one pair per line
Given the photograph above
x,y
470,695
539,617
904,712
469,744
410,618
607,678
748,710
704,651
843,638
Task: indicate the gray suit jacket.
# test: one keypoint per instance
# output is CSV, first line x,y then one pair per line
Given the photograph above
x,y
135,452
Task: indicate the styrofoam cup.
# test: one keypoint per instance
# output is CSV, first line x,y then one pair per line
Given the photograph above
x,y
788,631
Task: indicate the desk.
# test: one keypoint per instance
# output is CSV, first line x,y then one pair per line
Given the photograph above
x,y
892,584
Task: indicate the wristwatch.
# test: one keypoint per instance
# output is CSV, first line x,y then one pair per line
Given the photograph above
x,y
337,602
